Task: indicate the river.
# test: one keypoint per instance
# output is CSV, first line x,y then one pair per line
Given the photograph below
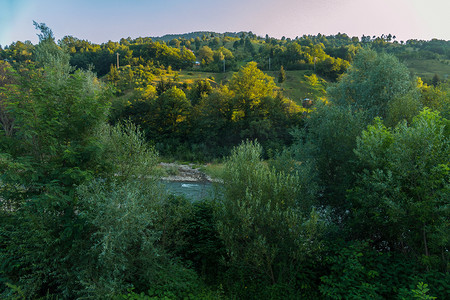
x,y
194,191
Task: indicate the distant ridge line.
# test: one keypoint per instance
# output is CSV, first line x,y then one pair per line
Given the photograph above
x,y
168,37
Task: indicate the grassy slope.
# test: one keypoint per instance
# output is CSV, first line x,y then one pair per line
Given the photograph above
x,y
426,68
295,86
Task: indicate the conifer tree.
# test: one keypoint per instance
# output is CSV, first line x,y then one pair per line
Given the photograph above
x,y
282,75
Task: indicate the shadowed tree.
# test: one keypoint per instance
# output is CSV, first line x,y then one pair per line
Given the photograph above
x,y
372,81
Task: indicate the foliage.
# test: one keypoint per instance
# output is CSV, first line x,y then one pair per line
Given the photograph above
x,y
435,97
355,270
401,197
349,278
122,246
193,292
422,292
282,75
250,85
315,86
8,83
371,83
190,233
199,121
55,113
127,154
330,151
337,212
404,107
266,226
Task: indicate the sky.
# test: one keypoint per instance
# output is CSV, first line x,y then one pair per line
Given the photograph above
x,y
99,21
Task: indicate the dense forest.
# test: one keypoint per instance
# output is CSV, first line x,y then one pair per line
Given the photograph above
x,y
334,155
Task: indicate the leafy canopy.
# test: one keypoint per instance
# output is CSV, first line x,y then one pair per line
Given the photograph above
x,y
250,85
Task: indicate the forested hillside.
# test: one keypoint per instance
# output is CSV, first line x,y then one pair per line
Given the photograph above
x,y
342,195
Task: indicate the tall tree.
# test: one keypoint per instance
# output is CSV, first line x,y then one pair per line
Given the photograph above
x,y
400,200
265,223
8,80
56,112
326,143
372,81
250,85
205,54
282,75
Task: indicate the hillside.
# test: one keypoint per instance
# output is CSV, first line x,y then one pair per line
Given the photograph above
x,y
195,34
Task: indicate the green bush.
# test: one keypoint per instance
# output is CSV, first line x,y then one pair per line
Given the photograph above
x,y
190,233
267,227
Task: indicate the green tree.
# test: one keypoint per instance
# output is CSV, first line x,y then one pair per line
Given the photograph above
x,y
205,53
168,115
371,83
219,58
211,122
56,112
120,213
197,43
403,107
401,197
435,97
316,89
8,83
187,56
312,80
250,85
113,75
263,219
127,156
282,75
350,278
200,88
435,80
330,151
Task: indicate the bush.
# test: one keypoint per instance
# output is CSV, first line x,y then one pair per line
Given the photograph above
x,y
267,227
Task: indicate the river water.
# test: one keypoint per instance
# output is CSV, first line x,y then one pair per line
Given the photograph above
x,y
194,191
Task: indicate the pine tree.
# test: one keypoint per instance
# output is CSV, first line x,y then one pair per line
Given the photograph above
x,y
435,80
113,75
282,75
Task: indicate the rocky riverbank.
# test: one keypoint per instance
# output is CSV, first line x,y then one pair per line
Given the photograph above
x,y
184,173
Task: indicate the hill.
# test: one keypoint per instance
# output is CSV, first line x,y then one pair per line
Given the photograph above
x,y
195,34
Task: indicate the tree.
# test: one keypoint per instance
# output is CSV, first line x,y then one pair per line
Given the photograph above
x,y
326,143
282,75
435,97
121,213
57,111
403,107
197,43
200,88
248,46
205,53
250,85
435,80
8,80
52,149
211,122
168,115
372,81
46,33
219,59
113,75
187,57
264,222
400,198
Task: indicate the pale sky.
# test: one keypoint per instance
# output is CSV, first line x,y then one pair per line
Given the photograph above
x,y
101,20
